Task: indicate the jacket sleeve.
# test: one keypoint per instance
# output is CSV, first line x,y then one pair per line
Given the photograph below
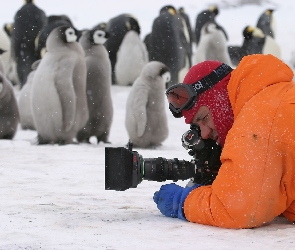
x,y
247,191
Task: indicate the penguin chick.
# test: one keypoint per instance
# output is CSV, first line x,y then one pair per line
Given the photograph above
x,y
58,101
146,118
98,89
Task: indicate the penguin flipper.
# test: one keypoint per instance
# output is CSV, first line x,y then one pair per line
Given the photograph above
x,y
140,112
67,99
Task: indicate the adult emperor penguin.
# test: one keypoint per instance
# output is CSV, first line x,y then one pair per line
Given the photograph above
x,y
117,27
131,58
212,45
28,21
24,101
58,95
98,90
253,44
146,118
204,17
166,43
9,114
266,22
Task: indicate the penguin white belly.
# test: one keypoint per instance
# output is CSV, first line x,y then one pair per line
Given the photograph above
x,y
271,47
131,58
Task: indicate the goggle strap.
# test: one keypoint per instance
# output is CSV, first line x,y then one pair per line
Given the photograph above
x,y
207,82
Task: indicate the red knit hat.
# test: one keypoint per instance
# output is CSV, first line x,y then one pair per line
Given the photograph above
x,y
216,98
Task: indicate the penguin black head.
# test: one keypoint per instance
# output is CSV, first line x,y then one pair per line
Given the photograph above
x,y
251,31
168,9
214,9
98,36
269,12
29,1
67,34
248,32
181,10
59,18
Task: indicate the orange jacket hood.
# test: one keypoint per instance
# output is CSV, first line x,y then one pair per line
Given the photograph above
x,y
253,75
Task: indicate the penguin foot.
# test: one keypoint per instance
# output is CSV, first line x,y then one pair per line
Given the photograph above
x,y
40,141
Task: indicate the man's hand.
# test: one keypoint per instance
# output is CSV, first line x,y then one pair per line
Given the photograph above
x,y
170,199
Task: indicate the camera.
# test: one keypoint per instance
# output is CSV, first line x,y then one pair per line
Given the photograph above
x,y
125,168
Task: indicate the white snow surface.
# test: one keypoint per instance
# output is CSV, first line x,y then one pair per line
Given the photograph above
x,y
54,197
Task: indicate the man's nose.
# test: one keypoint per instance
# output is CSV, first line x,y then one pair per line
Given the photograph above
x,y
205,131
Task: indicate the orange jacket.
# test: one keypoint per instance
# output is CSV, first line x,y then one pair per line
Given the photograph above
x,y
256,181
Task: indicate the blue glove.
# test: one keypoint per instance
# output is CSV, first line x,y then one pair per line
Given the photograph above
x,y
170,199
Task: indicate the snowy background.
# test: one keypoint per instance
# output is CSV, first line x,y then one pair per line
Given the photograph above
x,y
53,197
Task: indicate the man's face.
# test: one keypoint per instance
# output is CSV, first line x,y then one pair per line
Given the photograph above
x,y
204,120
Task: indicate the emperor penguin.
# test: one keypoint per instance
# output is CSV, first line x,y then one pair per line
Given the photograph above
x,y
212,45
205,16
58,95
252,44
131,58
146,118
255,42
166,43
98,89
117,27
24,101
28,21
266,22
9,113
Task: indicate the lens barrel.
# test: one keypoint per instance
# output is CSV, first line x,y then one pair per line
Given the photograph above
x,y
161,169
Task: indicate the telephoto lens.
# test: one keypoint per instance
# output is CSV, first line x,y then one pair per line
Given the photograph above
x,y
161,169
125,168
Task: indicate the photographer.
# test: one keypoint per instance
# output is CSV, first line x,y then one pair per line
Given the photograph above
x,y
250,112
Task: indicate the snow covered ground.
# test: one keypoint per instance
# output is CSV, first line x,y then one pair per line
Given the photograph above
x,y
53,197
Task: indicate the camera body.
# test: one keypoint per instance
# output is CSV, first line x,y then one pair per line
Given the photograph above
x,y
125,168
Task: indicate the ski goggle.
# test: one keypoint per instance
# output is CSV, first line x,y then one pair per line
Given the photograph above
x,y
183,96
